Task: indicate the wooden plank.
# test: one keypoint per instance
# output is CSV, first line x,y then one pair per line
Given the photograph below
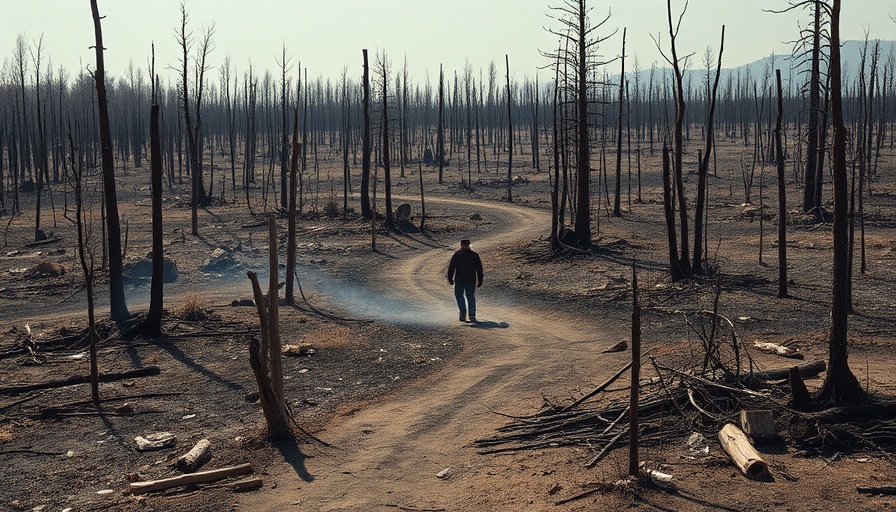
x,y
192,478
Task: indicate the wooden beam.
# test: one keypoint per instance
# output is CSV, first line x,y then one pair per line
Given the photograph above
x,y
192,478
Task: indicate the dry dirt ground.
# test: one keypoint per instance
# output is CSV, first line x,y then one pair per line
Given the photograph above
x,y
395,384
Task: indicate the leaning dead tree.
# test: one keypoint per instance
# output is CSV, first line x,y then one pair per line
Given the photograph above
x,y
265,357
117,304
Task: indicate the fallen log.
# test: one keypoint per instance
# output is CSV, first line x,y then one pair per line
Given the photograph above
x,y
248,484
876,489
745,457
810,369
804,425
192,478
196,457
80,379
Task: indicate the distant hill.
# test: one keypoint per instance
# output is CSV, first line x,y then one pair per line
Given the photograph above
x,y
850,51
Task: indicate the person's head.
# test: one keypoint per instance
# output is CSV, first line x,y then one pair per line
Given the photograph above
x,y
464,244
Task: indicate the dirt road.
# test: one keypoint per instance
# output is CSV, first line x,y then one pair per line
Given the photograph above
x,y
386,456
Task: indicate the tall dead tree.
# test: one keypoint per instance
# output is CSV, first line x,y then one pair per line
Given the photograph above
x,y
117,304
703,167
291,226
684,260
840,384
365,141
197,188
87,268
510,135
152,325
384,72
782,193
579,55
617,199
440,137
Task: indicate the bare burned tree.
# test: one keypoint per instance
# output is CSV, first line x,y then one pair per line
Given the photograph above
x,y
579,55
185,41
617,199
152,325
684,261
383,69
86,267
365,141
117,304
840,384
510,134
782,193
703,168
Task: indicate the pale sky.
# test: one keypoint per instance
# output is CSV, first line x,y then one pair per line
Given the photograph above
x,y
328,35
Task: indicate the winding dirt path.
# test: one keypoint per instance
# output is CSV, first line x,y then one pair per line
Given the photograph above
x,y
387,455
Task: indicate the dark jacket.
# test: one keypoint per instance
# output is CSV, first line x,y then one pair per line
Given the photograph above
x,y
465,267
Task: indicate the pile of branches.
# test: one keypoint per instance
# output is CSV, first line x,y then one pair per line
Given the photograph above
x,y
718,379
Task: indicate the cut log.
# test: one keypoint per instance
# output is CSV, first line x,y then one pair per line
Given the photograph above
x,y
192,478
758,424
80,379
249,484
806,370
745,457
196,457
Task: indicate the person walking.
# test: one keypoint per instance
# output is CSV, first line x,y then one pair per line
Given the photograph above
x,y
465,273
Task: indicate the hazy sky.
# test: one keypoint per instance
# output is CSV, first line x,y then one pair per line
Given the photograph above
x,y
328,35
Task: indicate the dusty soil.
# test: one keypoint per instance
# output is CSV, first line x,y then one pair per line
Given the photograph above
x,y
395,384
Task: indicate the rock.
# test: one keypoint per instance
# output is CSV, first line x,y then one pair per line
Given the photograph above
x,y
403,212
619,347
45,269
220,259
142,269
476,216
243,302
444,474
157,441
297,350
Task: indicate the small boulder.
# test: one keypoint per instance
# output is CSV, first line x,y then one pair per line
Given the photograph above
x,y
45,269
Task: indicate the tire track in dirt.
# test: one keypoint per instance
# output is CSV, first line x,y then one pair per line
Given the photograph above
x,y
389,453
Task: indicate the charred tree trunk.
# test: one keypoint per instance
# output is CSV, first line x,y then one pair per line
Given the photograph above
x,y
365,142
617,198
703,168
782,194
117,304
840,386
810,202
510,135
152,325
291,229
669,210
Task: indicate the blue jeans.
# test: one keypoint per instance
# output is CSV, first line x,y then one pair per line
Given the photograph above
x,y
468,289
